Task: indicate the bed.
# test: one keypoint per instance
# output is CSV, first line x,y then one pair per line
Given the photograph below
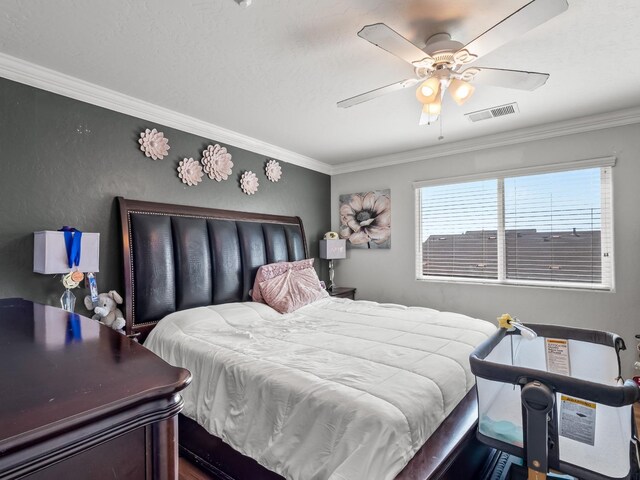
x,y
183,263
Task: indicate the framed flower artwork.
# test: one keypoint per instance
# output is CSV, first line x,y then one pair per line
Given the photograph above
x,y
365,219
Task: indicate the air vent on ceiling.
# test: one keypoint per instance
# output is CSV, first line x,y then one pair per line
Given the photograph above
x,y
493,112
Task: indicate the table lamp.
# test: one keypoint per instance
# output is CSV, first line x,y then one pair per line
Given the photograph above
x,y
67,251
332,250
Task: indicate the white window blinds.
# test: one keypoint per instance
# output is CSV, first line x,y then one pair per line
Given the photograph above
x,y
552,229
459,227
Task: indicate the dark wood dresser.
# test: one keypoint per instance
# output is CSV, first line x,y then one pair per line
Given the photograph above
x,y
79,400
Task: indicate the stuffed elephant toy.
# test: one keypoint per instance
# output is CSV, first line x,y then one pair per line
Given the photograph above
x,y
107,311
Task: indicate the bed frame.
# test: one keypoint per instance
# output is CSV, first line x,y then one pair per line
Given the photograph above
x,y
177,257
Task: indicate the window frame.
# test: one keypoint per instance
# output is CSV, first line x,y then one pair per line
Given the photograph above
x,y
607,226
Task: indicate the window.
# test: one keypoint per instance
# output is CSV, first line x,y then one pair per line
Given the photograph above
x,y
460,224
549,229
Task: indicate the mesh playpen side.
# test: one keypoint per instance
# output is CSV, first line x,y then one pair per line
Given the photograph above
x,y
578,422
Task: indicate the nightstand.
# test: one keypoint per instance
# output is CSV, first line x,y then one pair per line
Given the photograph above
x,y
343,292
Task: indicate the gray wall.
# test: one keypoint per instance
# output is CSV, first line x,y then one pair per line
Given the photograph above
x,y
64,161
389,275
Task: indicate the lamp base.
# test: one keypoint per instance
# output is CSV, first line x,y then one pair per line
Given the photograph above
x,y
331,285
68,301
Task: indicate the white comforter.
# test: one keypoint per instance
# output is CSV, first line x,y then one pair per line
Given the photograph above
x,y
337,390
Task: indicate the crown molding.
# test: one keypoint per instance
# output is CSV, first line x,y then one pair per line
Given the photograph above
x,y
567,127
21,71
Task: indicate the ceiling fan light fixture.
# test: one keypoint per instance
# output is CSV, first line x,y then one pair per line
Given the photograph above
x,y
428,114
428,91
460,90
432,109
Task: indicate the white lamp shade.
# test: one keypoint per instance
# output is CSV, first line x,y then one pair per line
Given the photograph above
x,y
50,253
333,249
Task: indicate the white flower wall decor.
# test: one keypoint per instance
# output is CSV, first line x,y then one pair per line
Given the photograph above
x,y
190,171
154,144
249,182
273,170
217,162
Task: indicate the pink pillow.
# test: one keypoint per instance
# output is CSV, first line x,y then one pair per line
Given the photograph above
x,y
272,270
295,289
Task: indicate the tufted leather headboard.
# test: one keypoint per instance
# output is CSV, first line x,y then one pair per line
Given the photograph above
x,y
177,257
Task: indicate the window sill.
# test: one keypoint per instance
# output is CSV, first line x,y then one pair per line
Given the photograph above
x,y
498,283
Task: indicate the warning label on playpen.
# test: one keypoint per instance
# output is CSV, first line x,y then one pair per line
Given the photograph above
x,y
577,419
557,353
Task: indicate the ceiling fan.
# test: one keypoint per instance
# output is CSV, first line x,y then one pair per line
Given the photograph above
x,y
441,64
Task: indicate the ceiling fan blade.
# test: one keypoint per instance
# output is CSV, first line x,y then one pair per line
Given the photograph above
x,y
527,18
388,39
378,92
517,79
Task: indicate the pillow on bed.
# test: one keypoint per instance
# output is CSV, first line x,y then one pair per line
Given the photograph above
x,y
295,289
272,270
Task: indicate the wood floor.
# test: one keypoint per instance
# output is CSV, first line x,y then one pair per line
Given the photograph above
x,y
188,471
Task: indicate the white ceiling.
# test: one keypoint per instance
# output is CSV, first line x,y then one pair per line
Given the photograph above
x,y
275,70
